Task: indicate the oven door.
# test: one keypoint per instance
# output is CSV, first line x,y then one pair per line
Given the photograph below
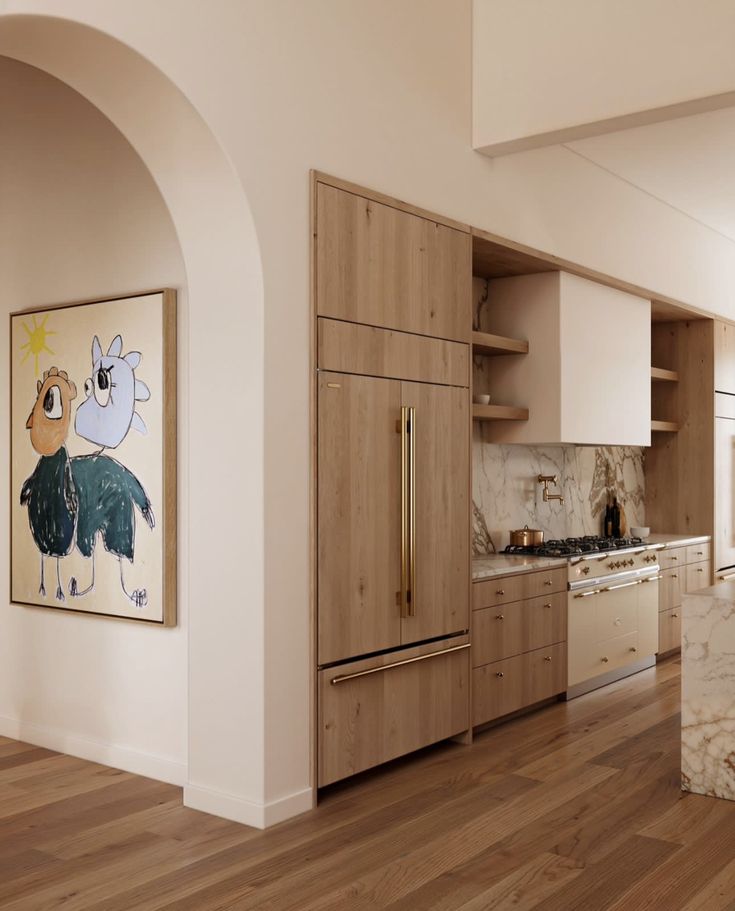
x,y
611,626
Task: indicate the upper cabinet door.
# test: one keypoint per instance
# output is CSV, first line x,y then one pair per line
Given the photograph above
x,y
442,517
384,267
724,357
359,515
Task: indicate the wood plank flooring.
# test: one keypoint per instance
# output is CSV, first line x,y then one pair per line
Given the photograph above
x,y
576,806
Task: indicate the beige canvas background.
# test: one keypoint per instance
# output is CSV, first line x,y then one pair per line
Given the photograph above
x,y
139,321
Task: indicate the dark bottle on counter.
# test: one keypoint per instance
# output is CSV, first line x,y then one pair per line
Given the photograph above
x,y
615,518
607,525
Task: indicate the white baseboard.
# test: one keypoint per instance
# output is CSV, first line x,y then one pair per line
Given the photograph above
x,y
247,812
95,751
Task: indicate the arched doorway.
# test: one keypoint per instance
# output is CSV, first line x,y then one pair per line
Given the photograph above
x,y
221,574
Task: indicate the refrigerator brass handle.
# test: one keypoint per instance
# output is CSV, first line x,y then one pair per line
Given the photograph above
x,y
343,678
412,514
404,511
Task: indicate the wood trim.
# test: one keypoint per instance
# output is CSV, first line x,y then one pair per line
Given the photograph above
x,y
489,344
313,494
499,413
659,374
392,201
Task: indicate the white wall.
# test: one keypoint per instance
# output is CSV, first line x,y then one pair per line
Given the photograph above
x,y
378,93
81,217
548,72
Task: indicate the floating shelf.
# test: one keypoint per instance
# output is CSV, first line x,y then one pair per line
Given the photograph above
x,y
659,375
494,345
499,413
665,426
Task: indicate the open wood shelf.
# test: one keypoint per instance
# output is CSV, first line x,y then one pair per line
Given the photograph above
x,y
499,413
494,345
660,375
665,426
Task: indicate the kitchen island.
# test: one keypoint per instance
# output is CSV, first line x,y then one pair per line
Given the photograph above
x,y
708,692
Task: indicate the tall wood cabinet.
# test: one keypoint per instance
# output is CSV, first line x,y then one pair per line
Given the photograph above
x,y
392,293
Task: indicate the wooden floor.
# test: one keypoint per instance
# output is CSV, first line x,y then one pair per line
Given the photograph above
x,y
574,807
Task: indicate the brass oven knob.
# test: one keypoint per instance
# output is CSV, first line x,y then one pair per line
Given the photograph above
x,y
631,562
585,570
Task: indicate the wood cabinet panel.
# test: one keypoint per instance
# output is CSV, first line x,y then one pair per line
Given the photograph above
x,y
498,590
359,503
698,575
384,267
370,719
697,553
672,556
545,582
669,630
670,588
442,558
501,632
352,348
512,684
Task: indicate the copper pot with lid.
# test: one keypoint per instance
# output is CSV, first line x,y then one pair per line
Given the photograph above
x,y
527,537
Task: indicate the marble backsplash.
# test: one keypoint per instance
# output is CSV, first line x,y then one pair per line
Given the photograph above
x,y
506,493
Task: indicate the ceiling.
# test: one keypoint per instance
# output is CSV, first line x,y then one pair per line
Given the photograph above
x,y
687,163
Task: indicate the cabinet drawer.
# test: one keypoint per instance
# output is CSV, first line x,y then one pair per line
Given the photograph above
x,y
509,685
670,588
669,631
399,705
511,629
500,590
595,658
698,553
545,583
698,575
672,556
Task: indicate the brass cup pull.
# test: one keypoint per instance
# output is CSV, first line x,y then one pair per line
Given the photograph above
x,y
633,648
700,553
500,674
674,576
547,657
547,582
605,660
500,591
500,617
674,558
674,615
548,605
700,570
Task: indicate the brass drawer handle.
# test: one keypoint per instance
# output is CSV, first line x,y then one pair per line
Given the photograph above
x,y
674,615
387,667
699,553
500,591
500,617
674,576
499,674
605,660
633,648
547,657
674,558
548,582
547,605
700,570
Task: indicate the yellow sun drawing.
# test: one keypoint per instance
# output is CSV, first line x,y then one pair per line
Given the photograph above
x,y
36,343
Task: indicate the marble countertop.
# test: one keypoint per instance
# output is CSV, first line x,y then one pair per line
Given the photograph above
x,y
491,565
488,566
708,683
676,540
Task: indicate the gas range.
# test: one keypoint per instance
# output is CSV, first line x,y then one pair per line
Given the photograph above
x,y
595,561
575,547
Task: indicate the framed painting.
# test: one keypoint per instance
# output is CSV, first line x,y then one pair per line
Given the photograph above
x,y
93,457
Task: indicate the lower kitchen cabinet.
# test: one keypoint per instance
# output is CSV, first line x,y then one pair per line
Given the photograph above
x,y
374,710
511,629
669,630
686,570
514,683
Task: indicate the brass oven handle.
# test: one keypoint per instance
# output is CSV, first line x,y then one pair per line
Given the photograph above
x,y
412,513
595,591
404,510
725,576
612,588
342,678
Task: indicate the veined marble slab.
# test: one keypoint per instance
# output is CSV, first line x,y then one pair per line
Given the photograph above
x,y
487,567
708,691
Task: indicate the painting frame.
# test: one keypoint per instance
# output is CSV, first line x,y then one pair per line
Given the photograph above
x,y
167,510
